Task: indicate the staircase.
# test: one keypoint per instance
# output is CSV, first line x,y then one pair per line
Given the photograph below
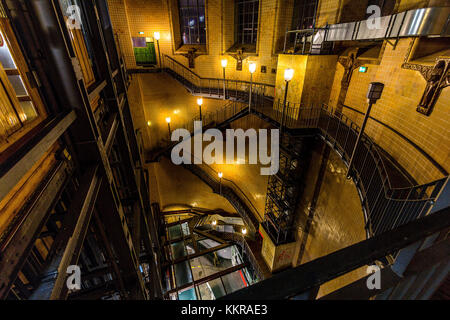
x,y
389,197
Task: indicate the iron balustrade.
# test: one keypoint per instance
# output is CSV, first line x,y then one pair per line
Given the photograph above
x,y
213,87
231,191
238,238
389,197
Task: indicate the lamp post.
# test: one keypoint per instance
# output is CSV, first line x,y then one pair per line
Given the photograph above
x,y
224,65
244,231
374,93
220,174
288,75
200,102
168,124
157,36
252,69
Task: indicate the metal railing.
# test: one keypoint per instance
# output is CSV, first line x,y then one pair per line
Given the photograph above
x,y
239,239
214,87
231,191
389,197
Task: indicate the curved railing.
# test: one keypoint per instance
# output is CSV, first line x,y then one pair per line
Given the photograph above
x,y
231,191
389,196
238,238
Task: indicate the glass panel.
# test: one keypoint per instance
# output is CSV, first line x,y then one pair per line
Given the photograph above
x,y
206,244
185,228
190,246
5,55
235,256
192,22
250,276
19,88
174,232
183,273
211,290
178,250
211,263
187,294
234,281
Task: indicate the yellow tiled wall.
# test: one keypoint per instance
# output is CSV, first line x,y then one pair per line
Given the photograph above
x,y
129,17
397,108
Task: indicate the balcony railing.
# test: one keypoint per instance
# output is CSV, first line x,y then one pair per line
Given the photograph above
x,y
389,196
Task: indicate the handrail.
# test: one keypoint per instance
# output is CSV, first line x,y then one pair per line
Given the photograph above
x,y
235,186
409,141
384,205
221,79
240,239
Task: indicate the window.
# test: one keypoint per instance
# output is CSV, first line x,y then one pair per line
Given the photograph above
x,y
247,21
20,103
304,15
192,21
79,38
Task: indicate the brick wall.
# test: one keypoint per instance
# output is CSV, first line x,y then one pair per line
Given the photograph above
x,y
397,108
129,17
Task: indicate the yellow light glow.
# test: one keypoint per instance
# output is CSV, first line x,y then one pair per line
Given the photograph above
x,y
252,67
224,63
220,174
176,111
156,35
214,222
244,231
200,101
168,119
288,74
149,123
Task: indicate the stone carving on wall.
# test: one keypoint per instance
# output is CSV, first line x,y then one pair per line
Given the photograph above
x,y
191,55
239,56
437,78
349,63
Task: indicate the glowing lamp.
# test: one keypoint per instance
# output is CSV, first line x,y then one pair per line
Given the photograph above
x,y
224,63
288,74
252,67
156,35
